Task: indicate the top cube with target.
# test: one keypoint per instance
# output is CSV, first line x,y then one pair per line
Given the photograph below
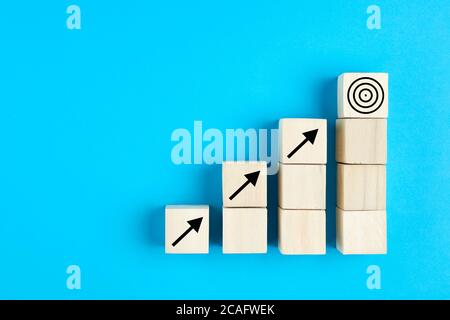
x,y
363,95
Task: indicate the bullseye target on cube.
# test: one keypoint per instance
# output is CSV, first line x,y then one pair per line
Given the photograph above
x,y
363,95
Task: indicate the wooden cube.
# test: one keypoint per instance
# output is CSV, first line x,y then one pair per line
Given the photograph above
x,y
363,95
361,232
244,230
302,186
361,141
187,229
301,231
361,187
303,141
244,184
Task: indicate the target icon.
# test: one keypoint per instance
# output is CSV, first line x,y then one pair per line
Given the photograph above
x,y
365,95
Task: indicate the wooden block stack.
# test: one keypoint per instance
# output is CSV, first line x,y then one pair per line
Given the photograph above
x,y
302,184
244,187
361,153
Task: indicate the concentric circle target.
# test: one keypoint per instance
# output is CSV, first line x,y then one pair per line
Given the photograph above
x,y
365,95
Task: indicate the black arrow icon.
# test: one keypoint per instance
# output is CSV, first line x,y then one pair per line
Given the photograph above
x,y
309,136
194,225
251,178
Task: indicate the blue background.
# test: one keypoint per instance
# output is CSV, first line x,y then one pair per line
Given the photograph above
x,y
86,118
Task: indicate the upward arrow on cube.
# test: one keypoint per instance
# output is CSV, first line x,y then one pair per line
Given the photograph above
x,y
251,178
194,225
309,136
